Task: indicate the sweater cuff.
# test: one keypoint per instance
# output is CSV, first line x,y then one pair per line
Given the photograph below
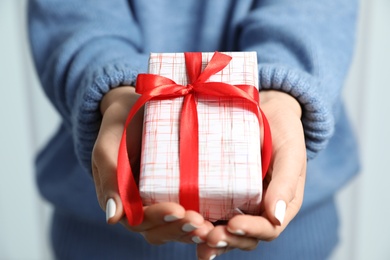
x,y
86,115
317,119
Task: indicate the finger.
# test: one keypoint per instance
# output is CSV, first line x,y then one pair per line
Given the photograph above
x,y
288,168
220,237
199,235
217,243
289,154
159,214
174,231
205,252
220,241
282,188
104,161
258,227
105,152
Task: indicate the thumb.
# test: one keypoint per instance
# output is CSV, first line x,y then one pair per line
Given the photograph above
x,y
104,161
284,184
284,194
104,164
116,105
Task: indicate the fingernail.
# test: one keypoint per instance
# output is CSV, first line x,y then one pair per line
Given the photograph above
x,y
221,244
170,218
197,240
110,209
188,227
212,257
237,232
280,211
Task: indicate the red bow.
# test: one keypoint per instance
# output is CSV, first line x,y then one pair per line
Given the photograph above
x,y
157,87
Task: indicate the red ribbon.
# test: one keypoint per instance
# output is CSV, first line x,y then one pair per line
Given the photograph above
x,y
157,87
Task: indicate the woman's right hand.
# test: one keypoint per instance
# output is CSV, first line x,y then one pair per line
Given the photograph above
x,y
163,222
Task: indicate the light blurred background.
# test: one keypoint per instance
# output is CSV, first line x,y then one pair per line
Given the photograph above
x,y
27,120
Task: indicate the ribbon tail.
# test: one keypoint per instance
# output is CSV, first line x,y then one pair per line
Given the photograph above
x,y
127,186
266,152
189,155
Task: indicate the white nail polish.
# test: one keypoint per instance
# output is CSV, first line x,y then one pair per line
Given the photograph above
x,y
188,227
170,218
221,244
110,209
212,257
237,232
197,240
280,210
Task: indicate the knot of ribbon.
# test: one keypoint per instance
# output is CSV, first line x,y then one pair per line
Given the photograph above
x,y
152,86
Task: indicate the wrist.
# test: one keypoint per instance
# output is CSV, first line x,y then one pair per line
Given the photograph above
x,y
280,100
119,95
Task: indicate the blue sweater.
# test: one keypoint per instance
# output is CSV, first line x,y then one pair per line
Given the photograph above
x,y
82,49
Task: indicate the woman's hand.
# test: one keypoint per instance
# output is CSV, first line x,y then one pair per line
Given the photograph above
x,y
283,185
163,222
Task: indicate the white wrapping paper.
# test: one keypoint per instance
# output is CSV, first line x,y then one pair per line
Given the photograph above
x,y
230,178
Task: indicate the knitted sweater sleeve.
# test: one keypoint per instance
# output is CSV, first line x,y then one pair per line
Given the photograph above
x,y
304,48
81,50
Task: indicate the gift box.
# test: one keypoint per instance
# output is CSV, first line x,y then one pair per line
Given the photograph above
x,y
227,179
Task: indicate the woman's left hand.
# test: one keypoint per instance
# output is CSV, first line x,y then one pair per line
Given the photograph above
x,y
283,185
